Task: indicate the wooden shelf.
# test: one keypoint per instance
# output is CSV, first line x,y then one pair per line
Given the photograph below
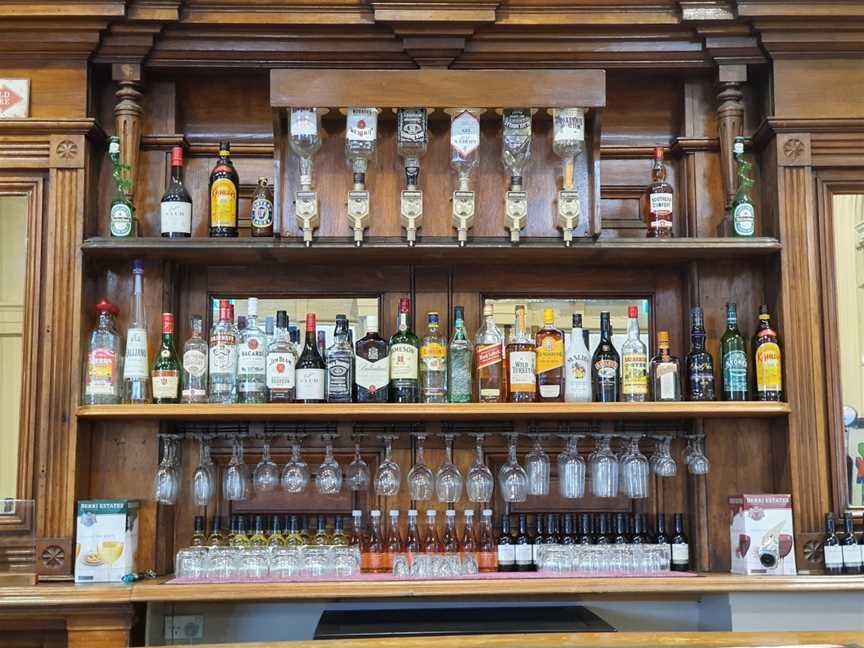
x,y
432,412
384,251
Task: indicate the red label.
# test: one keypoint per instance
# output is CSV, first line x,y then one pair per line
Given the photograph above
x,y
488,354
8,98
487,561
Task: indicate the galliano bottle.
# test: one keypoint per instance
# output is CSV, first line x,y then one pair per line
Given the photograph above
x,y
136,367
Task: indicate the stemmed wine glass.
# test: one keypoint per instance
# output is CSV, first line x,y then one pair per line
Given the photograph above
x,y
512,478
166,482
698,463
204,477
479,481
537,467
236,483
388,477
421,481
295,474
603,467
328,479
635,470
266,475
662,461
571,470
448,477
357,474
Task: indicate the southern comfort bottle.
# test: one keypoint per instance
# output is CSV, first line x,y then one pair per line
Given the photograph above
x,y
660,200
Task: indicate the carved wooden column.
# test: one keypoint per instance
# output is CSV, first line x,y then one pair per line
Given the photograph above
x,y
128,116
730,122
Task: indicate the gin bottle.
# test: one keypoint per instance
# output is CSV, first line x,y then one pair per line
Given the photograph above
x,y
102,385
223,358
136,365
252,359
195,365
340,364
433,363
459,357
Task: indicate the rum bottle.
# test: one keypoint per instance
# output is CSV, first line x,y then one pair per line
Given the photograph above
x,y
195,352
340,364
104,368
766,359
309,377
521,363
634,362
403,352
549,342
665,372
660,200
252,359
224,184
577,374
372,366
680,547
488,358
832,552
700,364
487,549
281,363
506,547
433,363
459,355
136,365
175,209
261,214
604,364
733,359
165,372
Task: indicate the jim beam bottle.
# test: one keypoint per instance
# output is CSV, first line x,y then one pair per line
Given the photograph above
x,y
224,184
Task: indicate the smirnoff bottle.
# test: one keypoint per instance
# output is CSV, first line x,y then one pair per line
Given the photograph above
x,y
223,357
252,359
488,358
136,365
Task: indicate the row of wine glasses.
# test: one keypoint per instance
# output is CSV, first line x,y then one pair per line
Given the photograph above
x,y
609,474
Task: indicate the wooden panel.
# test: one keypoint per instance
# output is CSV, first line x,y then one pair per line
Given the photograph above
x,y
58,89
802,87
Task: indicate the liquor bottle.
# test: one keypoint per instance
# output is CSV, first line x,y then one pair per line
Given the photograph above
x,y
450,539
223,357
281,363
634,362
258,539
104,367
269,328
393,544
195,352
523,553
488,359
431,541
372,366
660,200
733,358
639,529
412,137
660,536
433,363
620,536
553,537
165,372
832,552
539,537
340,364
240,539
487,548
199,537
468,545
568,535
276,539
224,183
404,351
321,538
506,548
849,547
375,544
521,362
339,538
310,368
665,372
216,537
136,364
412,536
585,537
700,364
261,214
549,342
577,372
603,534
356,537
680,548
360,143
322,344
604,364
122,221
766,359
175,209
252,359
742,213
459,356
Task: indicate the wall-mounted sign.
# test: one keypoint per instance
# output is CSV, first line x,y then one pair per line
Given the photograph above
x,y
14,98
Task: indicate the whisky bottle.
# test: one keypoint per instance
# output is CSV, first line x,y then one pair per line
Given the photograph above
x,y
136,375
165,372
310,372
281,363
175,209
742,213
340,364
733,359
403,352
521,363
766,359
665,372
195,351
261,214
634,362
103,371
199,537
549,343
604,364
660,200
433,363
700,364
577,374
252,359
488,358
224,184
372,365
459,355
831,550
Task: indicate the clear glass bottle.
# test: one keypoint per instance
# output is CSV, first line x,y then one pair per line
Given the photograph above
x,y
577,370
340,364
305,140
568,140
411,141
431,540
665,372
464,160
281,363
433,363
223,357
459,356
634,362
252,359
104,366
489,358
360,140
487,556
516,144
661,197
549,342
195,364
136,365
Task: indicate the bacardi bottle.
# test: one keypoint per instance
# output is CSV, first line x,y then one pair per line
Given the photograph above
x,y
252,359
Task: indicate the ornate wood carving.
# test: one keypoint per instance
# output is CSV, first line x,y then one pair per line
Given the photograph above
x,y
730,122
128,116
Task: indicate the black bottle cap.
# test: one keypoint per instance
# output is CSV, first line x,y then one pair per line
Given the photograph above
x,y
282,319
458,313
577,320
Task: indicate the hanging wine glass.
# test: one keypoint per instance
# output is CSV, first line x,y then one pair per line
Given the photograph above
x,y
266,476
236,483
479,482
357,474
571,470
295,474
328,479
512,478
388,477
635,470
202,478
537,467
448,477
603,468
698,464
663,462
166,482
421,481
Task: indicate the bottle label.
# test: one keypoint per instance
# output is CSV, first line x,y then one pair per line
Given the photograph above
x,y
135,363
506,554
833,556
523,377
550,355
303,123
735,371
851,555
523,554
339,376
262,213
101,373
372,375
223,353
666,374
165,383
362,124
661,206
176,216
403,362
634,374
569,124
744,219
465,134
223,203
701,380
251,358
577,380
768,369
488,355
310,384
195,363
607,370
280,370
487,561
434,356
121,219
376,561
411,126
680,554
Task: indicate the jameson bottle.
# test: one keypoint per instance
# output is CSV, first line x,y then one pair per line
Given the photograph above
x,y
404,351
766,359
733,358
604,364
372,365
459,356
175,209
165,372
700,364
224,183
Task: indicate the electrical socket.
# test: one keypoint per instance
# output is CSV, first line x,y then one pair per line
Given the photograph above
x,y
184,627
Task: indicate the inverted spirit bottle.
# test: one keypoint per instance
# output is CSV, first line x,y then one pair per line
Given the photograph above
x,y
488,358
459,357
433,363
165,372
700,364
660,200
464,160
361,132
521,362
742,212
404,354
665,372
733,359
568,141
252,359
194,386
577,370
634,362
372,366
310,375
305,141
604,364
411,140
175,209
281,363
340,364
136,365
103,371
516,154
766,359
549,343
224,186
223,357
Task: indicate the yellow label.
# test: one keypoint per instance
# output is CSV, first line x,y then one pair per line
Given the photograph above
x,y
634,374
433,350
550,355
769,374
223,203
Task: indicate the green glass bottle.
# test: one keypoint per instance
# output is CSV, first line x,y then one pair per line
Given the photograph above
x,y
404,355
166,370
122,221
742,213
733,359
459,355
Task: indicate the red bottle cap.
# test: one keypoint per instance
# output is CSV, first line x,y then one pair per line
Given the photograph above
x,y
167,323
310,322
658,153
106,306
230,309
632,313
177,156
404,305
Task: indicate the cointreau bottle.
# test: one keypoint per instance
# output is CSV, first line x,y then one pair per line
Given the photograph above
x,y
660,200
